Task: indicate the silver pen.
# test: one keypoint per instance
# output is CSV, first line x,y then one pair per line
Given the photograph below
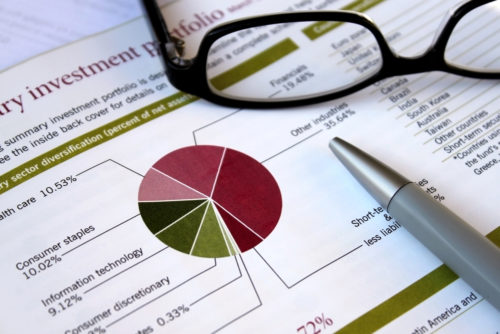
x,y
468,253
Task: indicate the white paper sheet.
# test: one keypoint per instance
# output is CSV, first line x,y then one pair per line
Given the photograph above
x,y
77,257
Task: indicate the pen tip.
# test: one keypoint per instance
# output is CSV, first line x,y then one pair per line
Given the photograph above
x,y
336,143
377,178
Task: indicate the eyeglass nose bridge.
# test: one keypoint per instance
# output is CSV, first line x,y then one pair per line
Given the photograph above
x,y
394,64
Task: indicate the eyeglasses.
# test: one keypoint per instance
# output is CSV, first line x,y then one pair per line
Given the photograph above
x,y
298,58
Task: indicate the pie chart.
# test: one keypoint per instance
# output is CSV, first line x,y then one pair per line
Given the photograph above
x,y
209,201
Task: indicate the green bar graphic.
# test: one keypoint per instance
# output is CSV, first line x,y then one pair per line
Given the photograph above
x,y
408,298
318,29
254,64
361,5
92,139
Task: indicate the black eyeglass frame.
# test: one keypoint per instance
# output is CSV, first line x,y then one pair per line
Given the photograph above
x,y
190,75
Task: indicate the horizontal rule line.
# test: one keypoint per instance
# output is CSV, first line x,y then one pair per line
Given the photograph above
x,y
100,234
290,147
126,269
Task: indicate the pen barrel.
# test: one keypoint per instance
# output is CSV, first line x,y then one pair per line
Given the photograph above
x,y
468,253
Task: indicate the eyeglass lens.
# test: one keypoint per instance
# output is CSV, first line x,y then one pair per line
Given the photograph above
x,y
477,31
290,61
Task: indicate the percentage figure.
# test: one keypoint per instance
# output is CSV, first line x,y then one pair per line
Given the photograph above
x,y
41,266
294,82
172,315
49,190
322,320
182,308
315,326
55,258
97,330
304,76
439,197
75,298
345,115
64,304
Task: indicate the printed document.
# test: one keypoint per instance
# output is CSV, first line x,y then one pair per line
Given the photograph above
x,y
127,206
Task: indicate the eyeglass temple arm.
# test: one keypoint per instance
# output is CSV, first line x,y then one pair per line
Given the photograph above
x,y
174,46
